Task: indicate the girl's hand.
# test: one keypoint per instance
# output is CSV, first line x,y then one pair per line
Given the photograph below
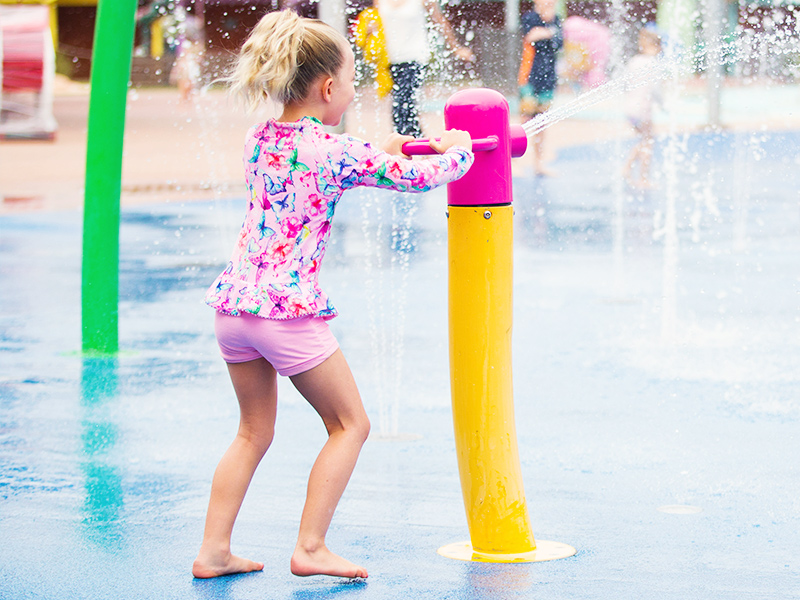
x,y
394,144
537,34
452,137
464,53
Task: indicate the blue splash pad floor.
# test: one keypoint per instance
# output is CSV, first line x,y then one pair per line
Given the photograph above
x,y
626,402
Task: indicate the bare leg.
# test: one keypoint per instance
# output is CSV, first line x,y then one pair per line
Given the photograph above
x,y
539,166
525,117
642,154
185,89
331,390
538,151
645,156
627,171
255,384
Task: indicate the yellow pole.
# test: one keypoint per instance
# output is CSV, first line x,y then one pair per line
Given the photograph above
x,y
480,248
480,259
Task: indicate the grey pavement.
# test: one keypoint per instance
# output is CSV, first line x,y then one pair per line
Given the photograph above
x,y
656,390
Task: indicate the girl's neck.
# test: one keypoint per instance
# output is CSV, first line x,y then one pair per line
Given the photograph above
x,y
293,112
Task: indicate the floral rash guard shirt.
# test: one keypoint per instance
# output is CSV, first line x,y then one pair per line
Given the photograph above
x,y
296,174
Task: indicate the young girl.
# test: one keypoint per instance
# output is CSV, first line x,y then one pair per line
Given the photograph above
x,y
271,312
639,107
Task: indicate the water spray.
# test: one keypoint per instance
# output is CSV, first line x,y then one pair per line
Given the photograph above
x,y
673,63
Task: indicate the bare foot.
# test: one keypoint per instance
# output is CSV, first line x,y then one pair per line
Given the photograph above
x,y
543,171
323,562
644,184
205,567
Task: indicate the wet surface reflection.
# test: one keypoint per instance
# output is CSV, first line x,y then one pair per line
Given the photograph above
x,y
103,490
503,580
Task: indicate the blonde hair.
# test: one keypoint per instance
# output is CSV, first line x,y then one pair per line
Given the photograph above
x,y
283,56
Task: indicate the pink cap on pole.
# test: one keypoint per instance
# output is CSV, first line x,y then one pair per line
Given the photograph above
x,y
484,113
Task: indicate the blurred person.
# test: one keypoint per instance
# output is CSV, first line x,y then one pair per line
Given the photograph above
x,y
542,38
146,16
369,37
405,28
186,73
639,102
587,46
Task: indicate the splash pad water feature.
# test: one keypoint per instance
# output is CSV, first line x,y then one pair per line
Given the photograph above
x,y
615,427
480,250
683,451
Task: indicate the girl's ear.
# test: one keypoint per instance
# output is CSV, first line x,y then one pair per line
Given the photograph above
x,y
327,89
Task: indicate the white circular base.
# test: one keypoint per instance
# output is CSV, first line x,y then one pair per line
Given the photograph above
x,y
544,551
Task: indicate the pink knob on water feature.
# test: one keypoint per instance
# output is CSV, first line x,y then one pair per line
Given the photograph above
x,y
483,113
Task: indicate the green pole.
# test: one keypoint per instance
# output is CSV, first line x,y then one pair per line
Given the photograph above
x,y
111,70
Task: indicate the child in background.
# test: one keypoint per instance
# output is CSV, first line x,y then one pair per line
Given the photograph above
x,y
541,29
370,38
186,73
271,312
639,107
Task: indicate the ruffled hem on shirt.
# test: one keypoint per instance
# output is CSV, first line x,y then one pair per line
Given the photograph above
x,y
273,301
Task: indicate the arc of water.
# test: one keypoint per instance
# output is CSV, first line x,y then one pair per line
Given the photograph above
x,y
594,96
726,52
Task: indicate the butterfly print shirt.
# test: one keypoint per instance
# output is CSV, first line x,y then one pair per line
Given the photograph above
x,y
296,173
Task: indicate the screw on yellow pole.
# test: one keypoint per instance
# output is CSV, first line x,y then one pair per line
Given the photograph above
x,y
480,251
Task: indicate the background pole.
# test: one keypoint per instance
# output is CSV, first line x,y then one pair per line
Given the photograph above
x,y
111,68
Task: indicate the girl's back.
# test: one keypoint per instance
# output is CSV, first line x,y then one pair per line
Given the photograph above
x,y
296,173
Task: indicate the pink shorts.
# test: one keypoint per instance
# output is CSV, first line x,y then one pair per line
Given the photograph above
x,y
292,346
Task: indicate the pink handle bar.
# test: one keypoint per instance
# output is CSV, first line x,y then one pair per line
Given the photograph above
x,y
519,143
420,147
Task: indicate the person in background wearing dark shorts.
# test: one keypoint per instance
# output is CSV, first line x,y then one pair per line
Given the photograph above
x,y
405,27
541,28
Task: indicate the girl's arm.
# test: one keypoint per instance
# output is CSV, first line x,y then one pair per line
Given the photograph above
x,y
362,165
451,137
436,15
558,35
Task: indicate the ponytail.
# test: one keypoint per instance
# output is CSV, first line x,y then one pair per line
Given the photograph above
x,y
283,56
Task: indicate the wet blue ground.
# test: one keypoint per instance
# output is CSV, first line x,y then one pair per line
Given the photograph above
x,y
635,388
